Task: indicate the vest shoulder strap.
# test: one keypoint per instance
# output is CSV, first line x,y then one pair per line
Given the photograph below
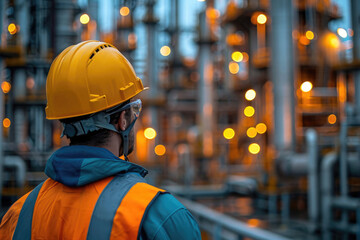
x,y
120,207
23,226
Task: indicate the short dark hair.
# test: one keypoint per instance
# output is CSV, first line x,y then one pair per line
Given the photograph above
x,y
99,137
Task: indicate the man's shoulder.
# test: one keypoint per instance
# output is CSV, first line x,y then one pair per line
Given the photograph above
x,y
167,218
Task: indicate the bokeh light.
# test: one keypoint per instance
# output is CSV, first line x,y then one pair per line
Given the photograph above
x,y
150,133
124,11
5,87
165,51
234,67
249,111
84,19
261,128
251,132
250,94
332,118
160,150
229,133
306,86
12,28
261,19
254,148
309,35
237,56
6,123
342,32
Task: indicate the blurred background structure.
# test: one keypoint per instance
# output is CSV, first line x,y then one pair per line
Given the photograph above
x,y
252,118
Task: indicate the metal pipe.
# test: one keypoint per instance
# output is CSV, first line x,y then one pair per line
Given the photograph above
x,y
282,74
223,222
206,88
355,16
19,165
327,186
313,178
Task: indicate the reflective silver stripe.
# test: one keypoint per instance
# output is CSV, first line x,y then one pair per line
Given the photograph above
x,y
106,206
23,226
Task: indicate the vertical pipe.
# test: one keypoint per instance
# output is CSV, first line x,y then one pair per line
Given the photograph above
x,y
355,19
282,74
327,186
151,64
313,179
205,88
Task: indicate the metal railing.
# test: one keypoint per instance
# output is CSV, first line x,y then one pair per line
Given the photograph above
x,y
220,226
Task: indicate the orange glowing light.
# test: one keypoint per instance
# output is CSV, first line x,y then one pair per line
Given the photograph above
x,y
246,56
254,148
261,128
249,111
150,133
237,56
84,19
304,40
234,67
306,86
309,35
165,51
124,11
261,19
251,132
212,13
253,222
229,133
332,118
6,87
250,94
160,150
6,123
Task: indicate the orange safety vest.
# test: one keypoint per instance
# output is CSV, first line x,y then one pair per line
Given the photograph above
x,y
112,208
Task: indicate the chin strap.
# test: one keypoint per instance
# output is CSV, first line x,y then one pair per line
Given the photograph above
x,y
125,137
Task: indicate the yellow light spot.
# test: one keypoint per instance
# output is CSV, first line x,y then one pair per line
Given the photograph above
x,y
12,28
250,94
306,86
124,11
160,150
6,87
332,118
165,51
237,56
251,132
6,122
249,111
150,133
309,35
234,67
342,32
261,19
261,128
334,42
84,19
254,148
229,133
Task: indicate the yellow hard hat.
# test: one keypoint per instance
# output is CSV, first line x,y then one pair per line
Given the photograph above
x,y
87,78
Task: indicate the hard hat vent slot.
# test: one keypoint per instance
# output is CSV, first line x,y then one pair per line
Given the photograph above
x,y
98,49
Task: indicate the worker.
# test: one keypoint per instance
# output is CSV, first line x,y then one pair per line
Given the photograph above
x,y
91,193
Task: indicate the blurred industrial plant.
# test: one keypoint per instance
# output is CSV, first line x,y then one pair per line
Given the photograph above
x,y
252,118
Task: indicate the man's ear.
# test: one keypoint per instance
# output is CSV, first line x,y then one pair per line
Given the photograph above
x,y
122,123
